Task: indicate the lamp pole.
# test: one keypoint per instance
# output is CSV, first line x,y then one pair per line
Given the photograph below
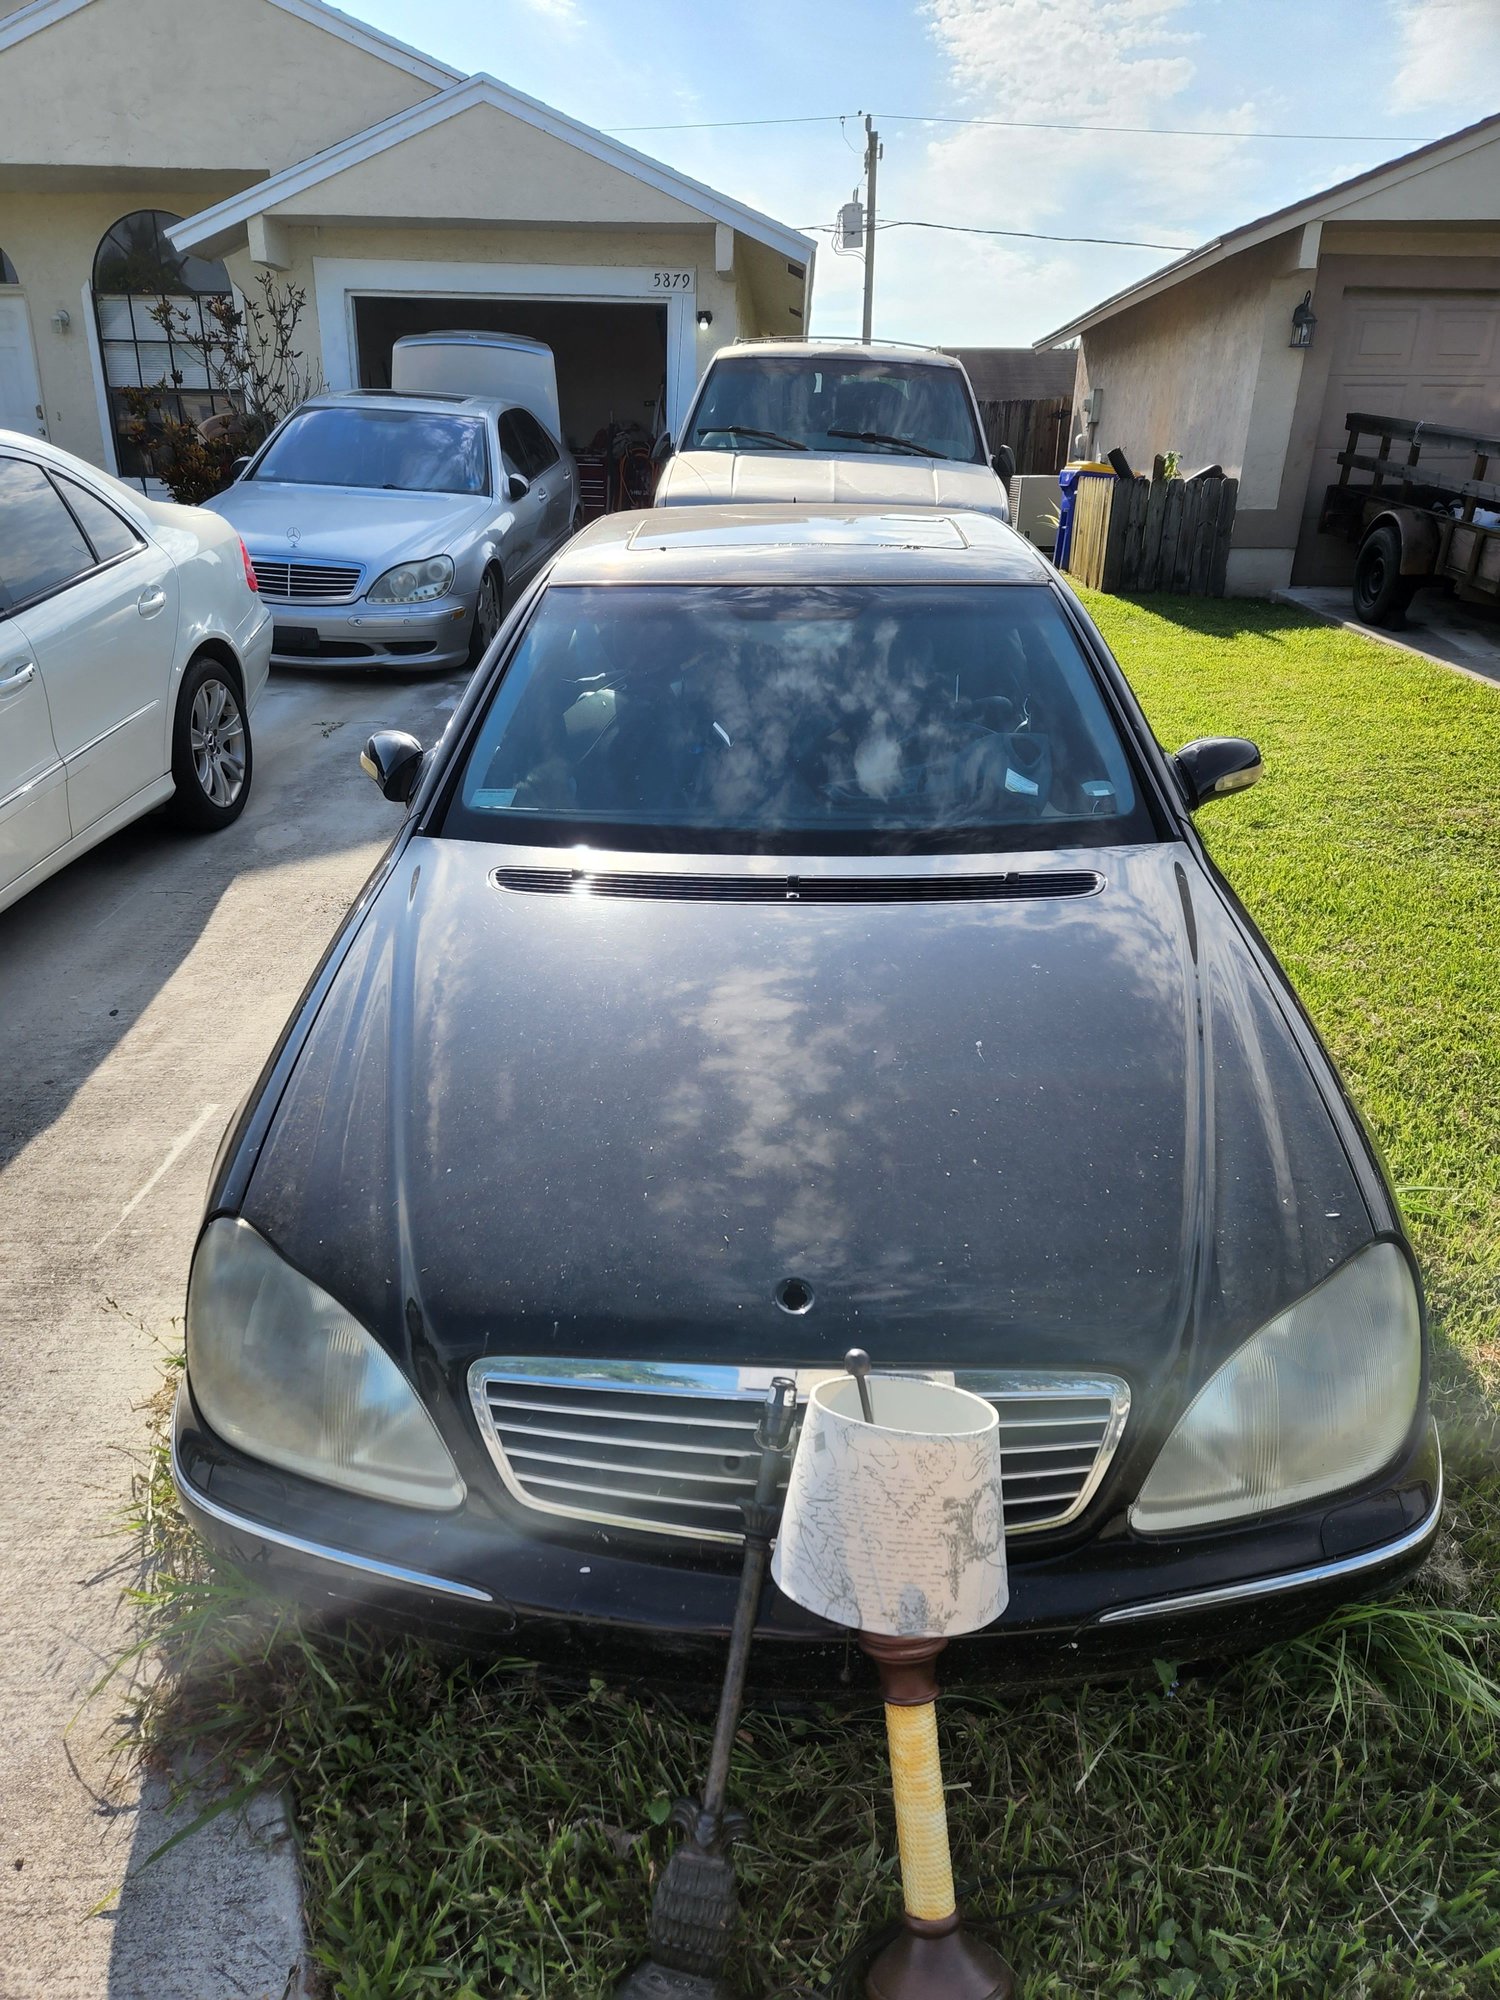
x,y
872,156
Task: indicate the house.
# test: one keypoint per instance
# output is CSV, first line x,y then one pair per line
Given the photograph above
x,y
187,146
1400,268
1026,400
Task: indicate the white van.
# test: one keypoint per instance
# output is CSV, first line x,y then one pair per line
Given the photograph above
x,y
835,422
504,366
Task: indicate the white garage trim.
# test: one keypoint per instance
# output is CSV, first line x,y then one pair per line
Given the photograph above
x,y
339,281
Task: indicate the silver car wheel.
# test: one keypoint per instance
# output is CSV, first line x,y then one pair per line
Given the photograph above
x,y
486,612
217,736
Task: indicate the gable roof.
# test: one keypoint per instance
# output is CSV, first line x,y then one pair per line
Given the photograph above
x,y
459,97
30,20
1315,208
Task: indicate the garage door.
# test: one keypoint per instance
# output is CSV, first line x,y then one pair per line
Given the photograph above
x,y
1428,355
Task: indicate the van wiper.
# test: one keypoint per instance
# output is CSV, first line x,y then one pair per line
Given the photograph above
x,y
745,431
884,437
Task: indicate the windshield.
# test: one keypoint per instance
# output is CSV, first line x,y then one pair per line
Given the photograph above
x,y
786,402
869,719
403,451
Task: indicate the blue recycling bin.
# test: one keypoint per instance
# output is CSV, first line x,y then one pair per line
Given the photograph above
x,y
1068,480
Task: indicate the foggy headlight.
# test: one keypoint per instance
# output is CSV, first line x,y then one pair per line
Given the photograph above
x,y
409,583
279,1369
1321,1398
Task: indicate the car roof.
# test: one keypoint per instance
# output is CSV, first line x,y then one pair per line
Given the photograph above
x,y
841,350
404,399
806,543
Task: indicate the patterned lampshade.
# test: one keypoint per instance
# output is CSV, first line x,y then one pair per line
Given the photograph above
x,y
896,1526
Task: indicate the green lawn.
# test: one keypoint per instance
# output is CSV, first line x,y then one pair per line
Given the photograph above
x,y
1321,1821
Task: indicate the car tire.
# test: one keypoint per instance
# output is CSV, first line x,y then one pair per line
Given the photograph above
x,y
1381,592
577,527
212,756
489,611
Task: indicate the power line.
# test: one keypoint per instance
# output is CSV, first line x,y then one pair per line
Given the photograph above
x,y
1029,235
1039,125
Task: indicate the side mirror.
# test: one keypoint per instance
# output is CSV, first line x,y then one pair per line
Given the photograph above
x,y
238,467
516,487
1213,766
661,451
393,759
1004,463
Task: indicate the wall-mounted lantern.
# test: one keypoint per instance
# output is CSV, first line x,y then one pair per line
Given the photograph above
x,y
62,319
705,319
1304,319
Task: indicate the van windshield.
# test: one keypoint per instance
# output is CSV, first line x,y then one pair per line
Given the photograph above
x,y
870,719
804,402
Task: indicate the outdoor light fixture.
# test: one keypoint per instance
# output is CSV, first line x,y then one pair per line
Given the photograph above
x,y
893,1526
1304,319
705,319
62,319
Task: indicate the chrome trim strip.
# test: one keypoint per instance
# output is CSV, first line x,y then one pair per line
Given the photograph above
x,y
31,784
1291,1579
747,1386
113,730
392,1572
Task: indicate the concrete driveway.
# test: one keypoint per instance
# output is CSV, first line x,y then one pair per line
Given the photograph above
x,y
140,991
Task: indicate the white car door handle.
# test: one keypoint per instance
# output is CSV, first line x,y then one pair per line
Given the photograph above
x,y
151,601
15,674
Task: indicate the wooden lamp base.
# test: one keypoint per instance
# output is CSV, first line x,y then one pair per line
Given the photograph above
x,y
934,1958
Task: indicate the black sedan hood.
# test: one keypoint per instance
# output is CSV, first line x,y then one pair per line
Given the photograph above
x,y
1038,1130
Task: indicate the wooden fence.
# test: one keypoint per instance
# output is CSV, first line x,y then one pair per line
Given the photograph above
x,y
1035,428
1153,534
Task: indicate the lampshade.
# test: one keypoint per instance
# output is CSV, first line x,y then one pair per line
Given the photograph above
x,y
896,1526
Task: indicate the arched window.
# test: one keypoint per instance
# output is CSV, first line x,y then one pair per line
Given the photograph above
x,y
8,273
136,271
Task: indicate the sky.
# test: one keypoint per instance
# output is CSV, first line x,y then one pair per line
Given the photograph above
x,y
1379,75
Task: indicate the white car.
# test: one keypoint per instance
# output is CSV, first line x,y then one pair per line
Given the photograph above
x,y
837,423
133,646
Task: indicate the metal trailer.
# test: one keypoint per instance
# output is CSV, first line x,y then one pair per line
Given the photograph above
x,y
1414,526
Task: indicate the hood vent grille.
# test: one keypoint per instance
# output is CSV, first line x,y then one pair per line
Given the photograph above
x,y
1010,887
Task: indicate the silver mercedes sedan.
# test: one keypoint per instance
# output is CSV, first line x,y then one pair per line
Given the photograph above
x,y
394,530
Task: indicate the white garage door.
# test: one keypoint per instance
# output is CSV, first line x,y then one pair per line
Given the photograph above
x,y
1428,355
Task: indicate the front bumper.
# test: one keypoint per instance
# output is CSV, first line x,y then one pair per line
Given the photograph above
x,y
363,634
507,1580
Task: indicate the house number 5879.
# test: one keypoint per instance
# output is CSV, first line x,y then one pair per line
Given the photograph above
x,y
673,281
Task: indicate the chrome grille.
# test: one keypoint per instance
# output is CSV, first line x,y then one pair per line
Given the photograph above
x,y
306,582
671,1450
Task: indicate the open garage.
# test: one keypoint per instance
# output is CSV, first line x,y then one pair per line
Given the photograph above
x,y
611,355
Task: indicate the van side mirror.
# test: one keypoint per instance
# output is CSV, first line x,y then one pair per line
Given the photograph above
x,y
1004,463
516,486
394,760
1211,767
662,449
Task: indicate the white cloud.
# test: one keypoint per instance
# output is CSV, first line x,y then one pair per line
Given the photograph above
x,y
563,14
1449,54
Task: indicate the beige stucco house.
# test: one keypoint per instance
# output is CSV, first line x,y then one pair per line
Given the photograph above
x,y
1401,267
215,139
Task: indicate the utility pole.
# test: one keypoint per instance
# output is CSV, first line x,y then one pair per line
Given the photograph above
x,y
872,155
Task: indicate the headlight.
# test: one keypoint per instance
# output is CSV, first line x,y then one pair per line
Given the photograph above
x,y
409,583
279,1369
1321,1398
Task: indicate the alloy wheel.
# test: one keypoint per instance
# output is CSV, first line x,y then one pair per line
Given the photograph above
x,y
217,735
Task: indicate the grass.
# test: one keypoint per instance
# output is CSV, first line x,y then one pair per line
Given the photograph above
x,y
1318,1821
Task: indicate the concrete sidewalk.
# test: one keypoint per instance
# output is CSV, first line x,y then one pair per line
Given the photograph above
x,y
1437,626
140,991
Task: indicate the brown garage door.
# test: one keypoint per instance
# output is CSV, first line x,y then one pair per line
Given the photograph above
x,y
1429,355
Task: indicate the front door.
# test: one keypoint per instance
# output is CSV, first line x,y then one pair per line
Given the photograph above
x,y
20,392
33,792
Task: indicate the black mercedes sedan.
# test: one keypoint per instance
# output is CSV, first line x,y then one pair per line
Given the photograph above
x,y
798,941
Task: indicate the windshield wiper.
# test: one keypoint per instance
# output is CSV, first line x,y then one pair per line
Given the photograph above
x,y
746,431
884,437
